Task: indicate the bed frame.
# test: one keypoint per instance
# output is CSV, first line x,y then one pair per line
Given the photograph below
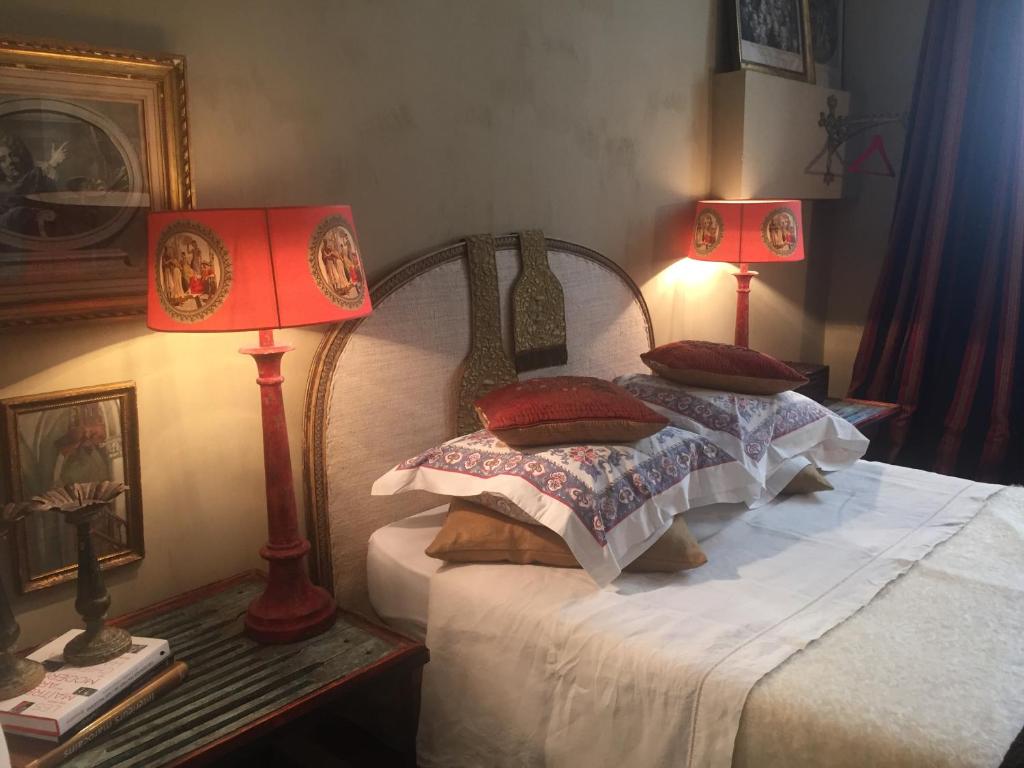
x,y
383,388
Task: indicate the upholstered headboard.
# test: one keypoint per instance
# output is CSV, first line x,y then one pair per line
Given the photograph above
x,y
383,388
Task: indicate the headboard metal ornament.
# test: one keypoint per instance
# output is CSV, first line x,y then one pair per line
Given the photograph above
x,y
382,388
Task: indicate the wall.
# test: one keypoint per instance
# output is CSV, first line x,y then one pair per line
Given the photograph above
x,y
588,119
882,43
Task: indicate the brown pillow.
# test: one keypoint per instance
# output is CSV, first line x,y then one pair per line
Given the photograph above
x,y
475,534
722,366
807,480
566,409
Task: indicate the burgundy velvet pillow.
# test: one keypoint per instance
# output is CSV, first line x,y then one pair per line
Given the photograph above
x,y
566,409
722,366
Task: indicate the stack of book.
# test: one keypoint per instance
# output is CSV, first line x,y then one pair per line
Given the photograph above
x,y
72,706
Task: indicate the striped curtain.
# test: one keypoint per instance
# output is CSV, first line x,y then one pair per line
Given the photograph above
x,y
944,336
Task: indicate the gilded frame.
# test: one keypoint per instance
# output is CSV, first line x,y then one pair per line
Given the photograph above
x,y
806,56
79,279
123,446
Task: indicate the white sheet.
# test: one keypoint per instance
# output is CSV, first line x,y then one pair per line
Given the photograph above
x,y
398,572
535,666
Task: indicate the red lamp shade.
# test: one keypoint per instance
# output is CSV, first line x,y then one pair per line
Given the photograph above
x,y
250,269
747,231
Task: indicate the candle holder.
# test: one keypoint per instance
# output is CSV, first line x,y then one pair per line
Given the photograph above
x,y
17,675
81,503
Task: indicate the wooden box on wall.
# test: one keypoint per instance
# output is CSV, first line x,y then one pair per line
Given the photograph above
x,y
765,136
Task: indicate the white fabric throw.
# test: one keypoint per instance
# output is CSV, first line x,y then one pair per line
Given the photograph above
x,y
536,666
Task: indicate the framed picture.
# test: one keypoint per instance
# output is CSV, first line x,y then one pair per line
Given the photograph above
x,y
89,141
73,436
827,33
773,36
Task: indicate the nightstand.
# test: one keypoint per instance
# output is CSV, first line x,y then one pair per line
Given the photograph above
x,y
868,416
816,387
348,697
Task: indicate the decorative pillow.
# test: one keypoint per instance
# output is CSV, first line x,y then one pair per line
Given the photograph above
x,y
474,534
761,432
722,366
566,409
609,503
807,480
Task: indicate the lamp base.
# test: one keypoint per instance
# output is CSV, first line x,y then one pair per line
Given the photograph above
x,y
18,675
291,607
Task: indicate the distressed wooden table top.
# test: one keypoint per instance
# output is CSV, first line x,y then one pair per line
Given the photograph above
x,y
235,689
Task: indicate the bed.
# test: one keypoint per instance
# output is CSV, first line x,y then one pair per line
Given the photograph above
x,y
917,660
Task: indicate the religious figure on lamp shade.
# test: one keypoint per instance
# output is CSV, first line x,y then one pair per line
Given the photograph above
x,y
193,271
779,232
335,263
707,232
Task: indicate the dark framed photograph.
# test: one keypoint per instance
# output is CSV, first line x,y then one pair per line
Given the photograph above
x,y
774,36
827,35
90,141
73,436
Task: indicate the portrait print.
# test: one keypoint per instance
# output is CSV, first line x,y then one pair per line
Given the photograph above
x,y
67,173
90,141
827,27
61,438
336,264
773,35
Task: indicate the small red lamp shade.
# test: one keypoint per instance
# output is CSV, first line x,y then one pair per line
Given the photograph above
x,y
747,232
260,269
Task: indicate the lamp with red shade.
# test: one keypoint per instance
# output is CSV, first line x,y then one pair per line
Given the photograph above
x,y
261,269
747,232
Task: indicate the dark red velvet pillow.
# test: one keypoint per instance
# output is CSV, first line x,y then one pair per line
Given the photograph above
x,y
566,409
722,366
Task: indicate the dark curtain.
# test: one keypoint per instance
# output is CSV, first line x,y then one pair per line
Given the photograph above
x,y
944,336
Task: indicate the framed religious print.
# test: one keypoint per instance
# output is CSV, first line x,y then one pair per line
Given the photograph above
x,y
774,36
90,140
827,28
73,436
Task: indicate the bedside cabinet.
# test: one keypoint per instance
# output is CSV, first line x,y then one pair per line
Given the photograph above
x,y
347,697
870,417
816,387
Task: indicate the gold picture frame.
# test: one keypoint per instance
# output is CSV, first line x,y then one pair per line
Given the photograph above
x,y
76,435
90,139
765,32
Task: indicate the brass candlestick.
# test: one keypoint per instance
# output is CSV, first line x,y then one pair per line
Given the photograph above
x,y
17,675
81,503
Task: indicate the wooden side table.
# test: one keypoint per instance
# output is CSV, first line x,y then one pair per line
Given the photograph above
x,y
240,697
816,387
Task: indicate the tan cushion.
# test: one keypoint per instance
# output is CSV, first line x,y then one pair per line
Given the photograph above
x,y
807,480
711,365
474,534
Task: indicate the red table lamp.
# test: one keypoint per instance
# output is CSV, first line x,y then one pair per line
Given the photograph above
x,y
747,232
260,269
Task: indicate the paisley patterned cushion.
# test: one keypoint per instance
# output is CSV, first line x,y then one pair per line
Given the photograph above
x,y
763,432
566,409
609,503
722,366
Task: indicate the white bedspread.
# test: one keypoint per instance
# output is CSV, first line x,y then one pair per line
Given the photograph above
x,y
545,669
